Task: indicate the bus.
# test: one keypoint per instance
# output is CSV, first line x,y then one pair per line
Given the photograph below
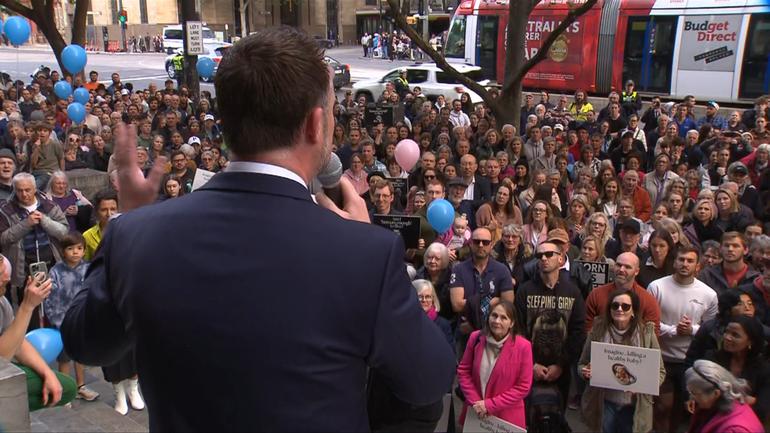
x,y
712,49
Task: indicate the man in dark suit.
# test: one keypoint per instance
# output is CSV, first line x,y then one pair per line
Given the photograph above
x,y
479,189
269,318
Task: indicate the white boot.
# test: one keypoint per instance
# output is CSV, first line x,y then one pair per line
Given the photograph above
x,y
137,402
121,406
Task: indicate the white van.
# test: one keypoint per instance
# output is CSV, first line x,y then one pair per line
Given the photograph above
x,y
173,35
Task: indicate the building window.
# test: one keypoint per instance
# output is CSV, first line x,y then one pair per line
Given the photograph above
x,y
143,11
115,11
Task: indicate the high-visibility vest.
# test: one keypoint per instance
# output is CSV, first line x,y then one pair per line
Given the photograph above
x,y
629,97
178,62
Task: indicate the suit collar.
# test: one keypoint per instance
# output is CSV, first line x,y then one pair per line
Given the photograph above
x,y
257,183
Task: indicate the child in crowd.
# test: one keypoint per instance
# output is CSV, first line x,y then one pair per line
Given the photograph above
x,y
458,236
67,278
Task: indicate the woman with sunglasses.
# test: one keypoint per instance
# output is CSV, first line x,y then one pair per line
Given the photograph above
x,y
495,373
607,410
719,400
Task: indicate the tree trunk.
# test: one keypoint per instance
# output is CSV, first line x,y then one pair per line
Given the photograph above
x,y
242,10
510,98
79,22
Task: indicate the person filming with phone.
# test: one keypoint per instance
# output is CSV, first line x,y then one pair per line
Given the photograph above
x,y
31,225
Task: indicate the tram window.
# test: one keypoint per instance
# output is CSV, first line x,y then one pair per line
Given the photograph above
x,y
754,73
648,53
455,41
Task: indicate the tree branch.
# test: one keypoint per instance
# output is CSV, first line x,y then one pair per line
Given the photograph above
x,y
573,15
400,21
19,8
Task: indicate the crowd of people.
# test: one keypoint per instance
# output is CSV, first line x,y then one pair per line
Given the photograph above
x,y
674,203
43,219
393,46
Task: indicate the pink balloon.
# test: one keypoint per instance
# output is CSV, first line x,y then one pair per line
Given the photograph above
x,y
407,154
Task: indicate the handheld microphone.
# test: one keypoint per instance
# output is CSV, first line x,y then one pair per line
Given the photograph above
x,y
329,177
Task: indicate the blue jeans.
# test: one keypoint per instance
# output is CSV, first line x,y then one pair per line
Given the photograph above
x,y
617,419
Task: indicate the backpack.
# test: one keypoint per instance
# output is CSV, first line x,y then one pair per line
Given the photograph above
x,y
549,335
545,413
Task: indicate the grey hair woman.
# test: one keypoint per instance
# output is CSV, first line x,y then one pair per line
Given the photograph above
x,y
718,400
436,270
430,304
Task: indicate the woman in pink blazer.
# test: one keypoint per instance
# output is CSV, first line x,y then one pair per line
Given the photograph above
x,y
495,373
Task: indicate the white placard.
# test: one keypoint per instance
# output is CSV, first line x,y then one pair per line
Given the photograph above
x,y
490,424
625,368
194,38
443,422
201,177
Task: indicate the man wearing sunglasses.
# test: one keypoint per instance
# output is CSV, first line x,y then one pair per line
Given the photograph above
x,y
685,303
552,290
477,283
626,270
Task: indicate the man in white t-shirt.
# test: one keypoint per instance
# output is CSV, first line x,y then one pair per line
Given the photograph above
x,y
685,304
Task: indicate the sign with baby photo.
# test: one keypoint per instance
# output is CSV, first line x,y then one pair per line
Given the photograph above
x,y
488,424
625,368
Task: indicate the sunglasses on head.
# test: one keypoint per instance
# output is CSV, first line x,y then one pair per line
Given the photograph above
x,y
547,254
484,242
620,306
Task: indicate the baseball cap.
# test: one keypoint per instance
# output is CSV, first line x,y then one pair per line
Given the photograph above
x,y
713,105
631,82
558,126
7,153
401,70
124,92
631,225
379,174
558,235
194,139
738,168
208,117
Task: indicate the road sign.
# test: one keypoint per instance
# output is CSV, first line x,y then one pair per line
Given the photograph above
x,y
194,38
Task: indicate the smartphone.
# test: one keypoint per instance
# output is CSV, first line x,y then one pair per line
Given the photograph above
x,y
38,268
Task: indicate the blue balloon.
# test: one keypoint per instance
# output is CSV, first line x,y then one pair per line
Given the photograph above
x,y
205,67
47,342
74,58
81,95
76,112
441,215
16,30
62,89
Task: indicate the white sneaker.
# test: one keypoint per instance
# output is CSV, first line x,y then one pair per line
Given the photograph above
x,y
87,393
121,406
137,402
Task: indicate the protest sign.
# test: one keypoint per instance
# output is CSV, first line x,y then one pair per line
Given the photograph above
x,y
401,185
201,177
625,368
406,226
488,424
600,272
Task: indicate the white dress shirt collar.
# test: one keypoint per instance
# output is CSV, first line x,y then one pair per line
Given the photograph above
x,y
263,168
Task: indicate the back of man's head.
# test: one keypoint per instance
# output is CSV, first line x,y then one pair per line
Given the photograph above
x,y
267,84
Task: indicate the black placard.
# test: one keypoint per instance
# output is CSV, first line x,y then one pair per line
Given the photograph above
x,y
406,226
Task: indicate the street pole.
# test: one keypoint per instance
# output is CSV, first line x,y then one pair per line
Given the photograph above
x,y
187,12
380,29
122,28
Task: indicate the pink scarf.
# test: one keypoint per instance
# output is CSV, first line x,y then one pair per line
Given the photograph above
x,y
432,313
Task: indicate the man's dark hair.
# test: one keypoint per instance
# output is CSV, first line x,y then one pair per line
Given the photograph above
x,y
687,249
266,86
103,195
93,72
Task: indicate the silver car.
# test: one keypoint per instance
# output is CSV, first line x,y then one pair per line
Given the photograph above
x,y
213,51
430,78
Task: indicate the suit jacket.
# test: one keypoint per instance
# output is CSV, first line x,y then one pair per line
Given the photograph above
x,y
249,307
482,190
508,384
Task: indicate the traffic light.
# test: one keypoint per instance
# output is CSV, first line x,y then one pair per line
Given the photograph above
x,y
123,17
